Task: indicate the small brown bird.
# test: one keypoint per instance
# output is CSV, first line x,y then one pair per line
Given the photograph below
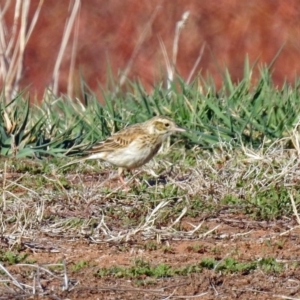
x,y
134,145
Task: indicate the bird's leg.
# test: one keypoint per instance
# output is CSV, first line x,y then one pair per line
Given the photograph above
x,y
132,177
123,182
121,177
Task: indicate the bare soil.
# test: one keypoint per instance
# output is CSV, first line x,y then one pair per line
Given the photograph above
x,y
234,236
242,240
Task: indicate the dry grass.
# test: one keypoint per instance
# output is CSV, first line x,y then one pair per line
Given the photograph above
x,y
13,43
224,185
88,194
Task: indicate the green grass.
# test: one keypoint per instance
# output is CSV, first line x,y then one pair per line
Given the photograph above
x,y
11,257
242,112
141,269
79,266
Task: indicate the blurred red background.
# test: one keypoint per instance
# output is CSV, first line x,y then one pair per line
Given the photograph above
x,y
109,32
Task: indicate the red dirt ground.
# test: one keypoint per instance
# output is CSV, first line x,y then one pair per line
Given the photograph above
x,y
235,237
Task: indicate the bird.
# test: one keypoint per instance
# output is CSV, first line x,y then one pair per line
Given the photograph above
x,y
132,146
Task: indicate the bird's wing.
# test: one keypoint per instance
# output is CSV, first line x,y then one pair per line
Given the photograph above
x,y
119,140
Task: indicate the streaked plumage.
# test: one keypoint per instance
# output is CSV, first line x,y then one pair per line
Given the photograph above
x,y
134,145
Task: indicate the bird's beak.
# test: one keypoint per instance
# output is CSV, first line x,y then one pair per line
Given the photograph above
x,y
178,129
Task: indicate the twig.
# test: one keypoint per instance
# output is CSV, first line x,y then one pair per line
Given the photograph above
x,y
294,208
66,36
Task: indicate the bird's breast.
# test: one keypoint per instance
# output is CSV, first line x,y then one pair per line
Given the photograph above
x,y
134,155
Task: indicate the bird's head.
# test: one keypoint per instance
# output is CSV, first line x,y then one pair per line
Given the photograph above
x,y
162,125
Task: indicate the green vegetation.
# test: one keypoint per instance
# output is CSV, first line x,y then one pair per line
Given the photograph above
x,y
239,113
12,258
239,154
141,269
80,265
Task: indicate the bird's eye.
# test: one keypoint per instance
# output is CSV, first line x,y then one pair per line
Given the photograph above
x,y
167,124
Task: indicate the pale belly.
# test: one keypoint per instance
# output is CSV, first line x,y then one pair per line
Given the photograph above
x,y
130,157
